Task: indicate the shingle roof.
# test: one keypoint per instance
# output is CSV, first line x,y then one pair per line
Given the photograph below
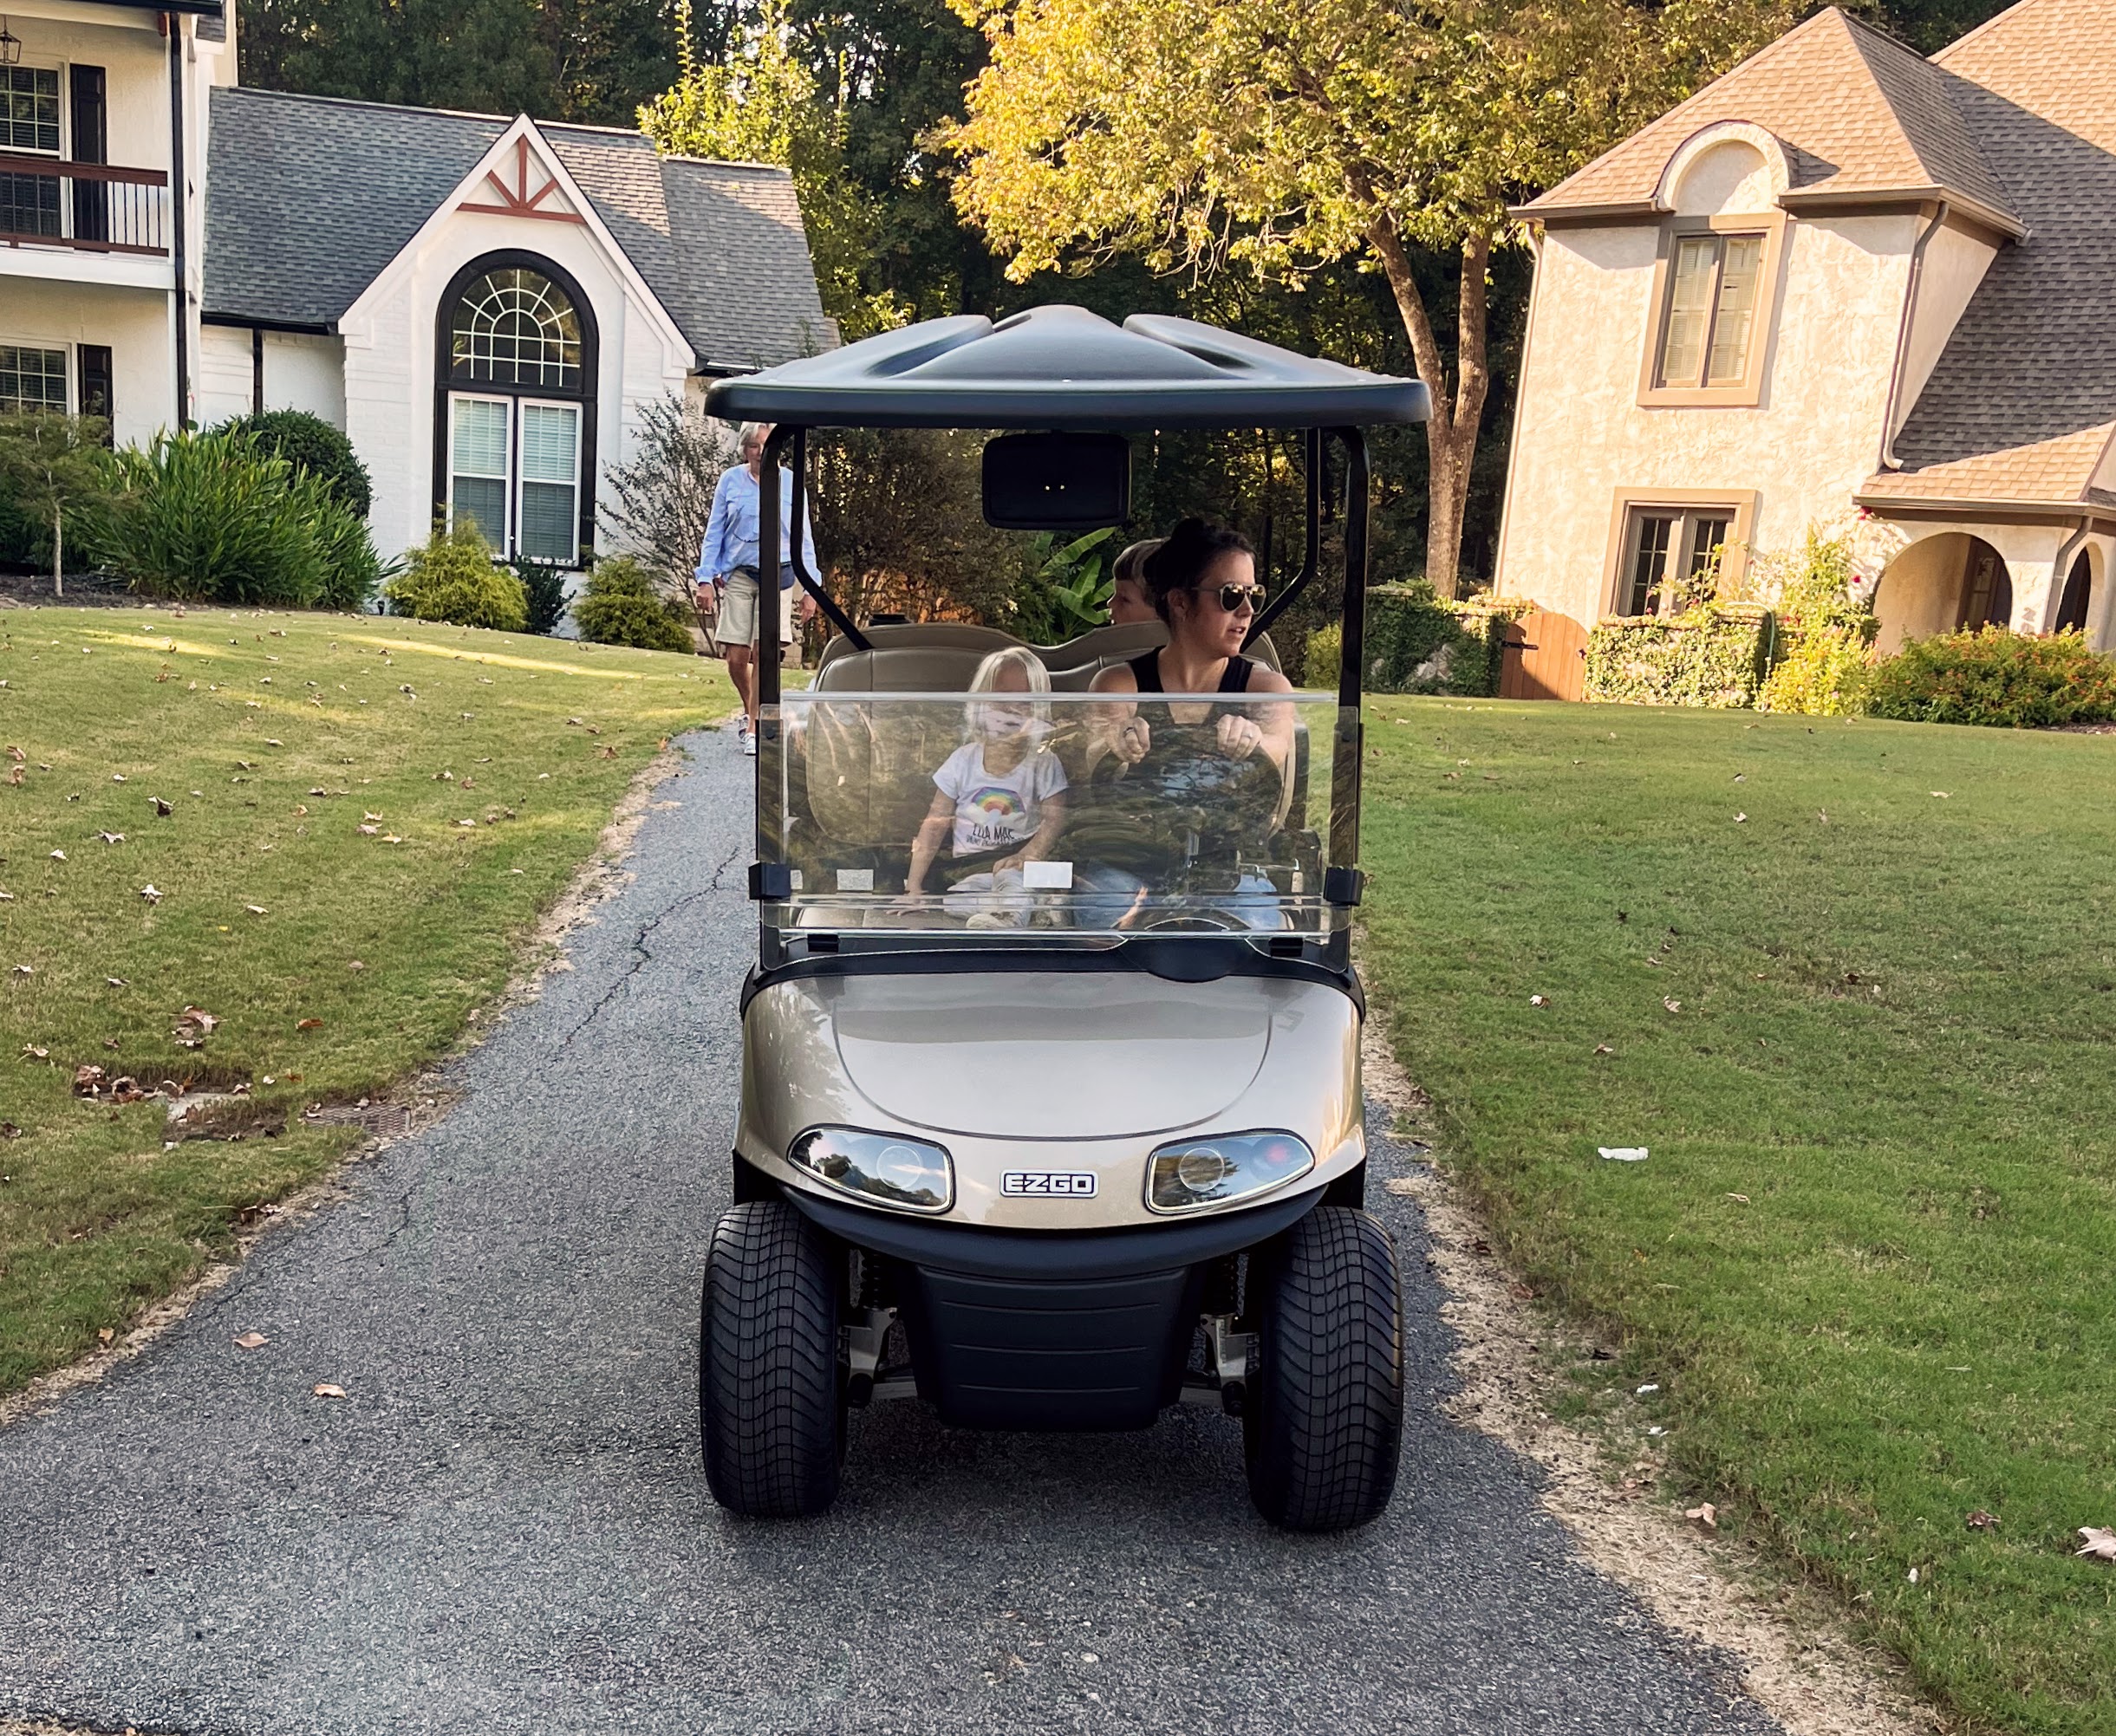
x,y
2025,391
1856,112
308,198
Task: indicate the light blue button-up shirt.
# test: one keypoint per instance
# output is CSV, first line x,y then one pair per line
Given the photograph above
x,y
734,533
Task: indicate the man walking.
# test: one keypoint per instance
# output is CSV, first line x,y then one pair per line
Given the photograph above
x,y
729,562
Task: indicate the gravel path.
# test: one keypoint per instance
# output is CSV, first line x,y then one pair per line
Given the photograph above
x,y
503,1526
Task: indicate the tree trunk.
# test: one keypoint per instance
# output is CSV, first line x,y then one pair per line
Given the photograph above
x,y
1457,407
58,552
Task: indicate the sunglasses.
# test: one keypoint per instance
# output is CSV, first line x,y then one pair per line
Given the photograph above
x,y
1232,597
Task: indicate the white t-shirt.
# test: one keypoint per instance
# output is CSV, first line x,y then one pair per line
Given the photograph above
x,y
997,810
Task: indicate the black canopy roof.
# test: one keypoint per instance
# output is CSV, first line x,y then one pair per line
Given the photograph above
x,y
1065,367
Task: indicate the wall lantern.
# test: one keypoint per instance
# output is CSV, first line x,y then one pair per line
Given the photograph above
x,y
10,46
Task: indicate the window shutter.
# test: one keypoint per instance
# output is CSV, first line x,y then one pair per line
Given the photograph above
x,y
91,119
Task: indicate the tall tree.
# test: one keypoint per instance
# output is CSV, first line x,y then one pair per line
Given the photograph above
x,y
1288,140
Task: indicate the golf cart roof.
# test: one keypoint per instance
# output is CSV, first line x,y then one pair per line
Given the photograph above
x,y
1063,368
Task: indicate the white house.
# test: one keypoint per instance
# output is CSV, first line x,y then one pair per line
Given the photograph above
x,y
1843,287
484,305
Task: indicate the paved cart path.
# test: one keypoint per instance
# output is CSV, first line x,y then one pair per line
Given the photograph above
x,y
503,1527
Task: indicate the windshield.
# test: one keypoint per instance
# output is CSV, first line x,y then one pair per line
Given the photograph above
x,y
1050,817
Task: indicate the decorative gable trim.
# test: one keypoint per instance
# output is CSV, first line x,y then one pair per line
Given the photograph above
x,y
517,201
520,146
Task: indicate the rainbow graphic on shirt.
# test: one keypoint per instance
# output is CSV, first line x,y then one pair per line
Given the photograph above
x,y
994,815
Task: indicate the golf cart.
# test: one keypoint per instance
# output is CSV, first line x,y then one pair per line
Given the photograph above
x,y
1058,1147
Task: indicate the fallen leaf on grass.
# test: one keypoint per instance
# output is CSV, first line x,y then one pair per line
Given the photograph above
x,y
117,777
1672,1005
36,1052
196,1018
1539,1000
368,831
251,1340
1604,1049
1705,1514
1982,1521
25,970
1622,1153
8,1130
606,751
309,1025
162,809
1739,818
1741,1198
150,894
2099,1544
1942,794
104,1335
14,752
58,855
7,898
324,1389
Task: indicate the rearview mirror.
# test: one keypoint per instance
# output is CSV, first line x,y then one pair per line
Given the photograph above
x,y
1057,482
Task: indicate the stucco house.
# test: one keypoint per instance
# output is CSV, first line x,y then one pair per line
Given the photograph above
x,y
484,305
1842,287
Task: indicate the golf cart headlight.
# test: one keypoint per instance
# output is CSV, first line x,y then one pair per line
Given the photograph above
x,y
883,1170
1196,1172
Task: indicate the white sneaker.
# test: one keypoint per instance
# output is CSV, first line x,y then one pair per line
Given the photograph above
x,y
749,745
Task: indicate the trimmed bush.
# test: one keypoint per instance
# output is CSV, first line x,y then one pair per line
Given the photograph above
x,y
1711,655
2003,680
1325,651
544,584
1419,642
621,607
209,517
309,442
1827,673
454,578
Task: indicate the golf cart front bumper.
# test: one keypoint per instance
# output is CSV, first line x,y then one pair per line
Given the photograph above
x,y
1051,1330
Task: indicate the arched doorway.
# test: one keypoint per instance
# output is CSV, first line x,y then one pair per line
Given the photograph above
x,y
514,416
2071,606
1941,584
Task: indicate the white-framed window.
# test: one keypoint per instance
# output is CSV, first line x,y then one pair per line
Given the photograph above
x,y
1665,545
29,110
32,378
1711,309
514,469
547,515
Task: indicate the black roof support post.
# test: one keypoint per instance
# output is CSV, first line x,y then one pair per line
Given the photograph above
x,y
1350,742
798,519
1312,561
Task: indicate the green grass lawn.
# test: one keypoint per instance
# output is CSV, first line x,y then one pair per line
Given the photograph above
x,y
367,815
1871,1261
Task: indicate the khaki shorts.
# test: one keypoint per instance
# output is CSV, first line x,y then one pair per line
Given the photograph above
x,y
737,623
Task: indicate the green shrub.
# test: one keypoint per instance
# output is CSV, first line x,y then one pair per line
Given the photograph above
x,y
1325,651
543,583
1990,676
211,517
454,578
1419,642
621,607
1827,672
309,442
1712,655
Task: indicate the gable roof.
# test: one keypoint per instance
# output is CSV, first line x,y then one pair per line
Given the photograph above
x,y
2023,396
1859,115
308,198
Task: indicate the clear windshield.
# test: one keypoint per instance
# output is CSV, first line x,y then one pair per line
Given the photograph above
x,y
1050,816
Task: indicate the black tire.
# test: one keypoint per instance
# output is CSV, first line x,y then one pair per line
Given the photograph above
x,y
1323,1417
771,1407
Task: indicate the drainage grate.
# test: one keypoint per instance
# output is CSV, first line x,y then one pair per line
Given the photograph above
x,y
375,1118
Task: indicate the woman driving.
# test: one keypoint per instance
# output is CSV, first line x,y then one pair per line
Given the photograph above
x,y
1203,584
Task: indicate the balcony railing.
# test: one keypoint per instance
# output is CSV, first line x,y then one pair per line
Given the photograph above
x,y
45,202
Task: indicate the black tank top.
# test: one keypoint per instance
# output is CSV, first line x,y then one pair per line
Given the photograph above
x,y
1146,671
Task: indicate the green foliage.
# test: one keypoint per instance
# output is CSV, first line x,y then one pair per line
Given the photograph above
x,y
761,102
455,578
543,588
1712,655
661,500
1990,676
1826,630
309,442
1070,585
621,607
54,471
1416,642
212,517
1325,651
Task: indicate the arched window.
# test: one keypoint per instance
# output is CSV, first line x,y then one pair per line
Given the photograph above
x,y
514,433
2079,588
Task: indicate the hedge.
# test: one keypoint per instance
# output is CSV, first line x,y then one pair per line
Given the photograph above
x,y
1416,642
1714,655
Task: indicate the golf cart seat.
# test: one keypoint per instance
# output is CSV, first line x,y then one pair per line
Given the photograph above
x,y
909,657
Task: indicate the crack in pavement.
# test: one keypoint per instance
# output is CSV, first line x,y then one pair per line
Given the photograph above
x,y
641,954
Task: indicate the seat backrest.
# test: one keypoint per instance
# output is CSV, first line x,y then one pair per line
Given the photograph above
x,y
909,657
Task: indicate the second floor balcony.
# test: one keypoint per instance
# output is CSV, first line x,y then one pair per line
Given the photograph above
x,y
89,207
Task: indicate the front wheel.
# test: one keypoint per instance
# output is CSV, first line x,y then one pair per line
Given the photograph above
x,y
1323,1420
770,1409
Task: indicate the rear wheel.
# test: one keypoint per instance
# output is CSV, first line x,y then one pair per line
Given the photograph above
x,y
771,1407
1323,1419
